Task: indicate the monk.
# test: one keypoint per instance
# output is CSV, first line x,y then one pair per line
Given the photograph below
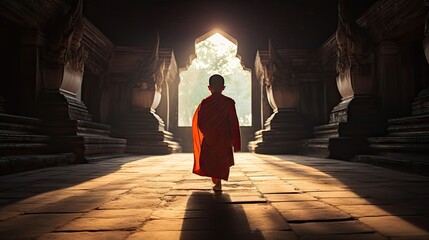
x,y
215,134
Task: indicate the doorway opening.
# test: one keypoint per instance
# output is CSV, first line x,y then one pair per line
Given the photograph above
x,y
215,53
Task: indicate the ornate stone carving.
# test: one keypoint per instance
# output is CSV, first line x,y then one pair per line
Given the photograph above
x,y
277,71
354,44
147,79
64,37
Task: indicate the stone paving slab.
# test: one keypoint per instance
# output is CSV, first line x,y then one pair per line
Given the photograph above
x,y
127,223
317,214
364,236
267,197
32,226
325,228
354,201
299,205
108,235
209,235
289,197
359,211
393,226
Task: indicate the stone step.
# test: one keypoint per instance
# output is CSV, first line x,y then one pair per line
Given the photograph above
x,y
326,131
421,119
400,140
397,147
277,135
9,118
401,163
418,128
317,143
155,147
65,127
326,127
91,139
19,163
7,149
19,138
18,128
94,149
402,144
284,147
18,124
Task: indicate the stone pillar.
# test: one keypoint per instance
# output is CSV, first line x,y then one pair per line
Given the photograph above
x,y
356,117
284,130
144,130
62,65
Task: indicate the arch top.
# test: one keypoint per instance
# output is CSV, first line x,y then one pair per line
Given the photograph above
x,y
213,32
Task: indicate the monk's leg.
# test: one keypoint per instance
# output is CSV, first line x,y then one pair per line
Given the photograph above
x,y
218,184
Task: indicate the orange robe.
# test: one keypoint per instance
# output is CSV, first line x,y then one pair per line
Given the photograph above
x,y
215,131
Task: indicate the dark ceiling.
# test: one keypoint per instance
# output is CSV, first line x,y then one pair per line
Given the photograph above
x,y
289,23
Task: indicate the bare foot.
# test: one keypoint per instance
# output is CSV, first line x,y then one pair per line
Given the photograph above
x,y
218,185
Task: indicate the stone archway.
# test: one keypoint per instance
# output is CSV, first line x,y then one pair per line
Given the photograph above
x,y
215,53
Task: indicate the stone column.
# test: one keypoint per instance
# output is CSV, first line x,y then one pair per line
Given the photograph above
x,y
356,117
67,118
143,128
284,130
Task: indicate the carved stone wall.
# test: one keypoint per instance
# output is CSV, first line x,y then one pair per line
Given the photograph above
x,y
290,83
138,80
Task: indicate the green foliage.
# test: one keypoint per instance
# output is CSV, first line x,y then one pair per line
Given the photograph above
x,y
215,55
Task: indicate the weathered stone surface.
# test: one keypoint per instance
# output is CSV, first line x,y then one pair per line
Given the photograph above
x,y
32,225
109,235
123,197
317,214
268,188
299,205
359,211
289,197
323,228
364,236
102,224
392,226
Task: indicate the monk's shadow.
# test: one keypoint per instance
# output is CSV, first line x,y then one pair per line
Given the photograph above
x,y
212,216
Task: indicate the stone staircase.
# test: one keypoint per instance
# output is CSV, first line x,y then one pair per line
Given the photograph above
x,y
406,146
23,146
283,133
319,145
86,139
145,133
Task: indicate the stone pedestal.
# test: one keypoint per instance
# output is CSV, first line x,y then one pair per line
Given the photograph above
x,y
70,126
283,133
145,133
351,122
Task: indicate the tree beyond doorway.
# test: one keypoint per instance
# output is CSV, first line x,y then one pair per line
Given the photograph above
x,y
215,54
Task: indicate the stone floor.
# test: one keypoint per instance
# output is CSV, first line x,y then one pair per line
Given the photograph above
x,y
267,197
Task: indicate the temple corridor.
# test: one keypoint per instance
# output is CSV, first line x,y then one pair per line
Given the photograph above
x,y
267,197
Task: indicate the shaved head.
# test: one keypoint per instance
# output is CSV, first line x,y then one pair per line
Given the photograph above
x,y
216,83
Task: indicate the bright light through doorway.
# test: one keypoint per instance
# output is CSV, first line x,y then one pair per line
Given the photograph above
x,y
215,55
